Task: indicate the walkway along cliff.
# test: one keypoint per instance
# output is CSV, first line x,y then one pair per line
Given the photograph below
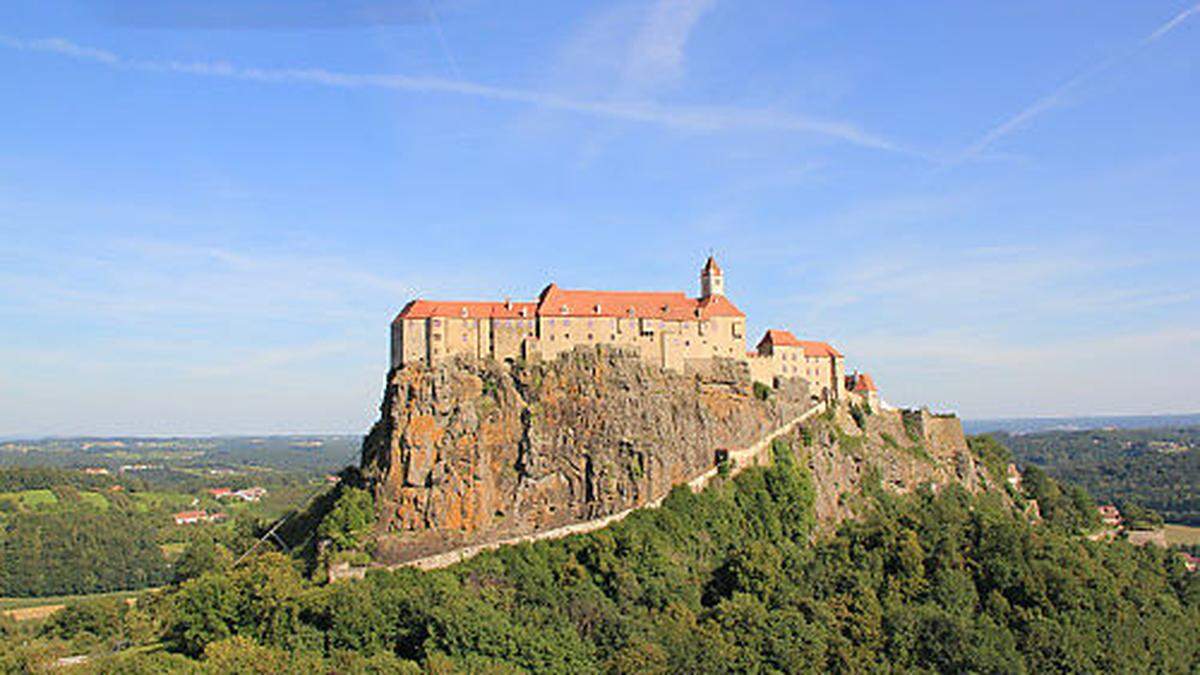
x,y
469,453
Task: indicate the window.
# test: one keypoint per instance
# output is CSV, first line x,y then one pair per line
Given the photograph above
x,y
566,322
437,323
590,336
437,337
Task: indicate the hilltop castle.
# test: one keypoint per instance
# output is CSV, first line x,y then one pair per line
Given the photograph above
x,y
669,330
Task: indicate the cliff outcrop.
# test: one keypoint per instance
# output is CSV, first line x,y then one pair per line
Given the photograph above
x,y
896,451
471,451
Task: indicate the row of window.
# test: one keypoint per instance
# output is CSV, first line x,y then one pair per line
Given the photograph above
x,y
522,323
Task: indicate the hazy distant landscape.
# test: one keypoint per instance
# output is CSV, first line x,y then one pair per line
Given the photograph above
x,y
1024,425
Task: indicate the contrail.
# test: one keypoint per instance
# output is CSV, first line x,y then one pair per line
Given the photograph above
x,y
699,119
1053,98
441,35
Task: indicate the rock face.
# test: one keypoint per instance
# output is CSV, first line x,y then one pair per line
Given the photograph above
x,y
893,450
472,451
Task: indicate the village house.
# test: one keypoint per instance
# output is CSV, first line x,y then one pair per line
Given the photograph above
x,y
196,517
667,328
1109,515
252,494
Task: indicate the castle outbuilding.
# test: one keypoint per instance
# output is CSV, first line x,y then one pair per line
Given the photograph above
x,y
668,328
862,388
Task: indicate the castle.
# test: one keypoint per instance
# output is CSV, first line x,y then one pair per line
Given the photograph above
x,y
668,329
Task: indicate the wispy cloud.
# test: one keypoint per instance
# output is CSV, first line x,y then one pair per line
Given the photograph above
x,y
1059,94
656,54
697,119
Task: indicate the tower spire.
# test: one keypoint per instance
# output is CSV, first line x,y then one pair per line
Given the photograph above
x,y
712,279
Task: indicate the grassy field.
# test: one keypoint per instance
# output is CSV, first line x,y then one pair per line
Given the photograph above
x,y
1182,534
10,604
30,499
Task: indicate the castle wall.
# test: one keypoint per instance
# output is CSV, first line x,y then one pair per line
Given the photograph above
x,y
762,369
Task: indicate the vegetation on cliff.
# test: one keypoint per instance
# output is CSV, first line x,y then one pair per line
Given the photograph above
x,y
725,580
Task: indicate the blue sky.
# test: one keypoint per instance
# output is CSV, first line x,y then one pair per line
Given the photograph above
x,y
209,212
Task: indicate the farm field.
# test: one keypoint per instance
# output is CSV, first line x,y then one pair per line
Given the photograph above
x,y
1185,535
25,609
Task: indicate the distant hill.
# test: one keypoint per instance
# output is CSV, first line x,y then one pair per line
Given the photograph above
x,y
1027,425
1158,468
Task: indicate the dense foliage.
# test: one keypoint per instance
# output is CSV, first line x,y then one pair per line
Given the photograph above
x,y
726,580
66,532
1156,468
78,551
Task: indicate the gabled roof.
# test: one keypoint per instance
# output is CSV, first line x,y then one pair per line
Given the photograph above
x,y
860,382
423,309
711,266
665,305
819,349
782,338
779,338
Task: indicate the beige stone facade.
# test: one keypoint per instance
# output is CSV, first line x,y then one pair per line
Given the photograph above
x,y
669,329
818,362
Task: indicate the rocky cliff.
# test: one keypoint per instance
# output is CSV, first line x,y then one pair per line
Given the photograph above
x,y
471,451
896,451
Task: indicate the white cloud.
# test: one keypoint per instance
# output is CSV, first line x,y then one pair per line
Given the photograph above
x,y
695,119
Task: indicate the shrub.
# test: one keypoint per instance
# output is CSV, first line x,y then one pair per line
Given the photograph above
x,y
860,417
761,391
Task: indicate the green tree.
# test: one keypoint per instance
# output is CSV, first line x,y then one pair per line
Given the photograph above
x,y
350,521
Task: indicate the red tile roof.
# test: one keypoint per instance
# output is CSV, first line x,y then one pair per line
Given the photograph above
x,y
860,382
783,338
668,306
779,338
423,309
555,301
819,349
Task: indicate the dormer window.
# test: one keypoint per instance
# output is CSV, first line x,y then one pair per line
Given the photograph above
x,y
630,312
596,309
563,309
464,312
524,311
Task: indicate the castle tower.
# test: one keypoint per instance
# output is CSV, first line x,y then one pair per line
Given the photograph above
x,y
712,279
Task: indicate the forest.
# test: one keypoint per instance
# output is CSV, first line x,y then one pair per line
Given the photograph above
x,y
1157,469
733,579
